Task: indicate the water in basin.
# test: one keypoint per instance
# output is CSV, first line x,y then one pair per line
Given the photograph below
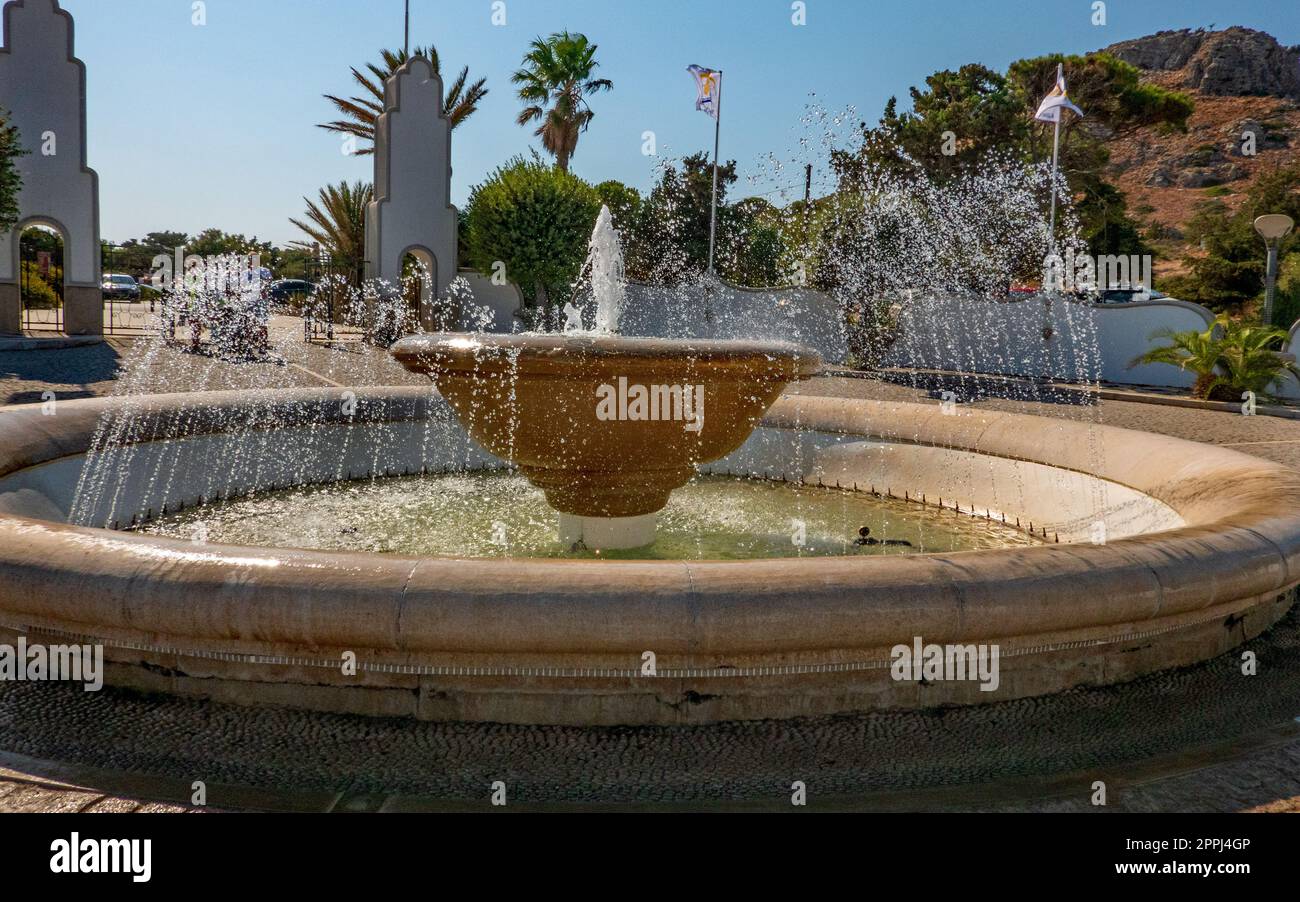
x,y
499,514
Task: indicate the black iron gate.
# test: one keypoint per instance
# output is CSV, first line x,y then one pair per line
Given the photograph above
x,y
40,282
329,312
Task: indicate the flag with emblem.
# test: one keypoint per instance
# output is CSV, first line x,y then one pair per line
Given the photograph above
x,y
708,84
1056,100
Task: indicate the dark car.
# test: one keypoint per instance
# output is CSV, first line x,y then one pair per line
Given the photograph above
x,y
282,291
116,286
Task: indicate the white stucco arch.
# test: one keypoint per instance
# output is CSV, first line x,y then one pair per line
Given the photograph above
x,y
14,238
43,88
412,210
428,289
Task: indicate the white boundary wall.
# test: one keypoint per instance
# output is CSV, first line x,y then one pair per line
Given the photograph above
x,y
1042,337
1288,388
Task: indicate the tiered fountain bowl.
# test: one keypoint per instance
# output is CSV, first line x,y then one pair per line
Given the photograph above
x,y
535,400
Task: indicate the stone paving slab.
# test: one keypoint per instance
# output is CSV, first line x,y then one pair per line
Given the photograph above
x,y
22,796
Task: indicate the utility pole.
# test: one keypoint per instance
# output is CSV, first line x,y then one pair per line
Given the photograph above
x,y
807,201
406,40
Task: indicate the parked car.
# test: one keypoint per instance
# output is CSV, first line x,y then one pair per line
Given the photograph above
x,y
284,290
1127,295
119,287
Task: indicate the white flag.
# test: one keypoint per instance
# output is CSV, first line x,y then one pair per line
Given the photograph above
x,y
1056,100
708,82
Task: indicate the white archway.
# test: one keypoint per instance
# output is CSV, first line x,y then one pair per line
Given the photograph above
x,y
412,209
43,87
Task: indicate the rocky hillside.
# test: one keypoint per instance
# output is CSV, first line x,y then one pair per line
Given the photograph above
x,y
1244,83
1235,62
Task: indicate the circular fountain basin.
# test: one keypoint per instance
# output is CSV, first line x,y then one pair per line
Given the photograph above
x,y
1200,551
607,426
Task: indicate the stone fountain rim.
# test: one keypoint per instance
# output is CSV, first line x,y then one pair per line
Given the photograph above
x,y
1241,541
549,353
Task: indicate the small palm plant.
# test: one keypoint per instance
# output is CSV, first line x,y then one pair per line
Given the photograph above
x,y
361,113
554,83
1229,358
338,224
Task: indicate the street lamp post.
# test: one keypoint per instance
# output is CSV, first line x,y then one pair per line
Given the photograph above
x,y
1272,227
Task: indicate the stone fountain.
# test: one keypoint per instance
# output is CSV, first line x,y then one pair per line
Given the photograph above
x,y
606,425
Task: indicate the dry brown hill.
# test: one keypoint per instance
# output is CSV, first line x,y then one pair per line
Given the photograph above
x,y
1243,82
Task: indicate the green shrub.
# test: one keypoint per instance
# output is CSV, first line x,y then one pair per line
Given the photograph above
x,y
10,181
624,203
535,219
1286,300
1228,359
37,293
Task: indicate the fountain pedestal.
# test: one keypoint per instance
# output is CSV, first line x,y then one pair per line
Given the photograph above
x,y
608,532
606,426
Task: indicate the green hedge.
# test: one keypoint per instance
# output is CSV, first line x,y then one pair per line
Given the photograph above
x,y
536,220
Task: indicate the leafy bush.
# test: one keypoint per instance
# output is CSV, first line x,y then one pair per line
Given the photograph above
x,y
1229,358
535,219
1286,301
38,293
623,201
10,181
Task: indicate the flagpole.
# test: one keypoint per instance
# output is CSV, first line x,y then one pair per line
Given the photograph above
x,y
717,137
1056,147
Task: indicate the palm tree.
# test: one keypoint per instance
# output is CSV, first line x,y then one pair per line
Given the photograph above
x,y
360,113
1228,359
338,224
557,74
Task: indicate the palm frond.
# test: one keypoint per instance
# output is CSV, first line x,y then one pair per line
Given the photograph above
x,y
460,101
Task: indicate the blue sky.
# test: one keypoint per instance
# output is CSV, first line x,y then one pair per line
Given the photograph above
x,y
193,127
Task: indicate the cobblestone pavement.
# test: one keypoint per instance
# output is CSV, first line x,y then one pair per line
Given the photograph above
x,y
1200,739
1037,754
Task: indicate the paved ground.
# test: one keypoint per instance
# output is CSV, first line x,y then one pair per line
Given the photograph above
x,y
1158,743
146,365
21,793
1204,738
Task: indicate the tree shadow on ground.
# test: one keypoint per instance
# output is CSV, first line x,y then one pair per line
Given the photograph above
x,y
57,370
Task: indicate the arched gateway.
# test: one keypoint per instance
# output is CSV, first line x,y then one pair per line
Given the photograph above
x,y
412,211
43,89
